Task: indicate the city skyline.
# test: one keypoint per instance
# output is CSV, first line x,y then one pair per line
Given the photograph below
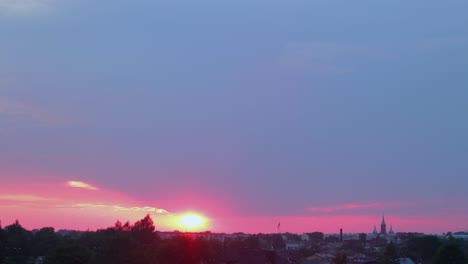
x,y
317,114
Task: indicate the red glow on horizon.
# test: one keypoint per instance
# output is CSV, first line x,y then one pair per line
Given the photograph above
x,y
56,204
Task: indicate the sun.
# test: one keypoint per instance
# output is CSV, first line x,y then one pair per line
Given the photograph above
x,y
192,221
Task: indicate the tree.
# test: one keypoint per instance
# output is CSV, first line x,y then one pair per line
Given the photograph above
x,y
70,254
146,224
118,226
18,243
390,255
44,241
143,241
422,248
252,242
110,246
450,253
2,245
127,227
340,259
143,230
354,246
316,237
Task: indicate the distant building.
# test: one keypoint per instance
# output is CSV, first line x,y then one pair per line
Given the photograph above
x,y
383,229
405,261
458,236
294,246
363,237
193,235
383,226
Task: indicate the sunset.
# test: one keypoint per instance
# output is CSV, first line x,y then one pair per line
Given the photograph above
x,y
263,121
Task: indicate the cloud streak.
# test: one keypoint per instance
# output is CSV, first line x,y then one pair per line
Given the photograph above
x,y
22,6
118,208
80,184
347,207
24,198
17,110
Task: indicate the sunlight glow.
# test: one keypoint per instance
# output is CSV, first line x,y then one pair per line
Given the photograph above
x,y
192,220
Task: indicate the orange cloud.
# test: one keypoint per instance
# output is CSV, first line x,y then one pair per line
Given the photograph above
x,y
80,184
24,198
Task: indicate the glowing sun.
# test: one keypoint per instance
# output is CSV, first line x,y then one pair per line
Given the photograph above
x,y
192,220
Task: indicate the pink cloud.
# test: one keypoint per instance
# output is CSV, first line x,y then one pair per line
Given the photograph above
x,y
349,207
333,223
80,184
51,203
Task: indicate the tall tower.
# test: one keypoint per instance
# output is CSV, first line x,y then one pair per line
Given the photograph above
x,y
383,226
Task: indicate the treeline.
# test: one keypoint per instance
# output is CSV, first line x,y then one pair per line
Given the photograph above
x,y
138,243
431,249
120,244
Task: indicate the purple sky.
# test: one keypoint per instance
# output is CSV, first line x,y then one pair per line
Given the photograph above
x,y
299,110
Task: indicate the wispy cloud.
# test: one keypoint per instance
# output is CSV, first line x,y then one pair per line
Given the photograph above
x,y
23,6
17,110
348,207
80,184
147,209
141,209
24,198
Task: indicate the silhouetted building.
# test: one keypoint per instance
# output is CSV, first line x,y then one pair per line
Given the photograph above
x,y
363,237
383,226
341,234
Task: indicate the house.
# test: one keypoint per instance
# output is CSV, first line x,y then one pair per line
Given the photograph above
x,y
293,245
250,256
405,261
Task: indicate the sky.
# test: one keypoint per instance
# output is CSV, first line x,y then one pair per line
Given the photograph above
x,y
310,115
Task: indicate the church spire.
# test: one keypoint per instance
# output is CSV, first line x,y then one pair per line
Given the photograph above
x,y
383,226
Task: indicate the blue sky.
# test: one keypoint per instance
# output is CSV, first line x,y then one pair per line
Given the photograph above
x,y
269,107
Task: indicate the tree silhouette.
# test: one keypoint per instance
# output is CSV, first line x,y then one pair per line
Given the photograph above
x,y
340,259
118,226
2,245
144,225
390,255
450,253
44,241
18,243
143,230
144,240
120,244
422,248
70,254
